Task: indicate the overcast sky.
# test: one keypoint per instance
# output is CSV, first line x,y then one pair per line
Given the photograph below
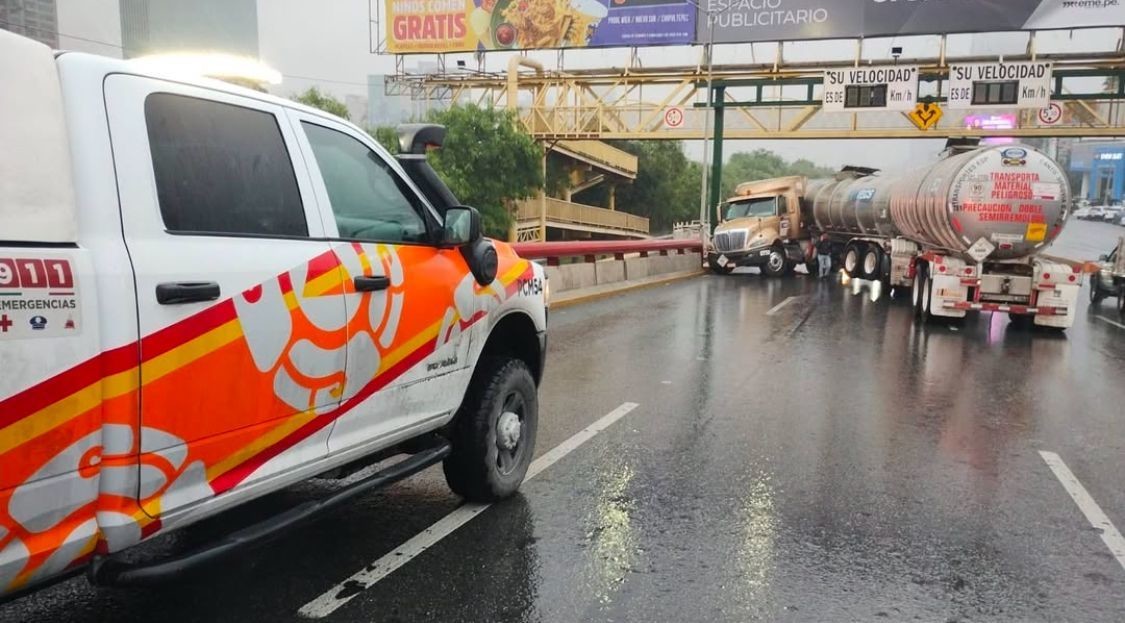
x,y
328,44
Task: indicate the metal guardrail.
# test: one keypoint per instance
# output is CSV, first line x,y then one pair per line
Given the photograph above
x,y
590,250
560,211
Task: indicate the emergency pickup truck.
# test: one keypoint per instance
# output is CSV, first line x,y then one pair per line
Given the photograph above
x,y
208,293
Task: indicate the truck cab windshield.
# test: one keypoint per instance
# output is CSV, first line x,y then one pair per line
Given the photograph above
x,y
760,206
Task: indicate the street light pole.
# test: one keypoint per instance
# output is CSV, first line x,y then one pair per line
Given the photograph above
x,y
704,208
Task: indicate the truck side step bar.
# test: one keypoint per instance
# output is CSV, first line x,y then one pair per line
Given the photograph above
x,y
110,572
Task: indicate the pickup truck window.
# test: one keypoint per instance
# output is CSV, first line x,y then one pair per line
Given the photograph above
x,y
221,169
370,202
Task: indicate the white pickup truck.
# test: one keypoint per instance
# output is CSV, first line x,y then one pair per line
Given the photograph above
x,y
207,294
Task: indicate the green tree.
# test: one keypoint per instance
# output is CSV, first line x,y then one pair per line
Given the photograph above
x,y
387,136
313,97
762,164
487,161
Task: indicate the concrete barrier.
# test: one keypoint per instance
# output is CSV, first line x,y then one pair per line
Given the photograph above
x,y
572,276
687,261
637,268
609,271
571,265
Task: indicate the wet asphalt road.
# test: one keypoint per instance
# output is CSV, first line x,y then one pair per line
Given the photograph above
x,y
1086,240
829,462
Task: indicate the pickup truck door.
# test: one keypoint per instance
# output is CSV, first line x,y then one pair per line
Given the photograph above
x,y
408,339
241,321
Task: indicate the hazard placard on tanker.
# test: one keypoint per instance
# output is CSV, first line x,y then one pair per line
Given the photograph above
x,y
38,298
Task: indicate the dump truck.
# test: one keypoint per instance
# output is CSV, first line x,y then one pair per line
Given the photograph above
x,y
964,234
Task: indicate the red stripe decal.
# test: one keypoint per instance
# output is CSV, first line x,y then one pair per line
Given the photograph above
x,y
46,393
239,473
321,264
187,329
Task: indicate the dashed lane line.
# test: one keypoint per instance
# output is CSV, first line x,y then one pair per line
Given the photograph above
x,y
776,308
1087,505
345,591
1114,323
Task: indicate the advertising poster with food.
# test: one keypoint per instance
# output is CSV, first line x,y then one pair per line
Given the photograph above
x,y
471,25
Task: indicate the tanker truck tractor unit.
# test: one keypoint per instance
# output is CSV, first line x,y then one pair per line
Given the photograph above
x,y
761,227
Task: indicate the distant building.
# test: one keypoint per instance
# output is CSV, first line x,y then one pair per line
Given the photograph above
x,y
1101,165
36,19
384,109
388,106
155,26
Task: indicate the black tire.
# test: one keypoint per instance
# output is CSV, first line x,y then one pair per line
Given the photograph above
x,y
853,254
927,299
1023,322
917,291
719,270
872,263
1096,294
777,264
1121,301
481,468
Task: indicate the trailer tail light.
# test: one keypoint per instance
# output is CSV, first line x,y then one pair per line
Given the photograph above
x,y
1046,276
968,270
941,269
1070,278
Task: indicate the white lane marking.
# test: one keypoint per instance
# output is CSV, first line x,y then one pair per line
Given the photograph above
x,y
345,591
1116,324
776,308
1087,505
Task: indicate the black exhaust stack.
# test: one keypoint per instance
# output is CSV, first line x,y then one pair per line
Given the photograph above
x,y
414,140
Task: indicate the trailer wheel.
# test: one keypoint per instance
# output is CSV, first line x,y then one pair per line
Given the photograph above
x,y
1121,301
872,263
917,291
925,311
777,264
1096,294
1023,322
851,259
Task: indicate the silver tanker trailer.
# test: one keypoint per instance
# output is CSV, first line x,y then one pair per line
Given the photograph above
x,y
964,234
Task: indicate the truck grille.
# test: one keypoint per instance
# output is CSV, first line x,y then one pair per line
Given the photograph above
x,y
727,241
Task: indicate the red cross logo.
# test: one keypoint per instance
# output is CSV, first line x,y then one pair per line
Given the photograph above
x,y
4,323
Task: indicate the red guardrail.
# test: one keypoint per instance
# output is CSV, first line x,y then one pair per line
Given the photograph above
x,y
589,250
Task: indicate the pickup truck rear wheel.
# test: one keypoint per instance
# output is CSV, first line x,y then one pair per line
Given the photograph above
x,y
493,434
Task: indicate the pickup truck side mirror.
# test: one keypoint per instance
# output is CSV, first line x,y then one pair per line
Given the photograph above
x,y
462,229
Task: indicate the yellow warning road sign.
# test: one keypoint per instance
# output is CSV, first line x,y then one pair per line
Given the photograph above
x,y
925,115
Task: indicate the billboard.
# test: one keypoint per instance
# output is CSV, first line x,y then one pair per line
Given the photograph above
x,y
741,21
471,25
475,25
